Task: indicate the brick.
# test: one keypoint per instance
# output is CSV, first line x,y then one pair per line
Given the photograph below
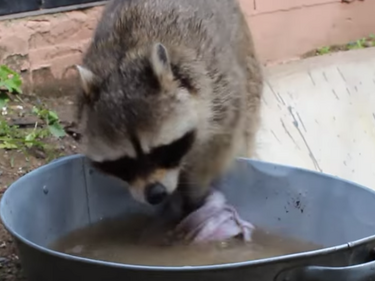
x,y
41,75
38,25
67,62
17,62
45,55
65,28
14,44
40,39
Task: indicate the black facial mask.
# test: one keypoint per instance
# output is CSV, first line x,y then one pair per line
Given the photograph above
x,y
163,157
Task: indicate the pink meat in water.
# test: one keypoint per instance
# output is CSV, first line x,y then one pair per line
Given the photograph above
x,y
214,221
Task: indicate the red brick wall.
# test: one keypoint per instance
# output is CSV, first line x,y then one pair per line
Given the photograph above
x,y
45,48
285,29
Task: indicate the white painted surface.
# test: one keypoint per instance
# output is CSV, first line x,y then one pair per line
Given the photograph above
x,y
319,114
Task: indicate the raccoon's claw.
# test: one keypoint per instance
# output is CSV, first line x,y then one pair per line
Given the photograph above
x,y
214,221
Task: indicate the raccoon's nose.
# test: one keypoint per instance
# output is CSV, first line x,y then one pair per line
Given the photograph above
x,y
155,193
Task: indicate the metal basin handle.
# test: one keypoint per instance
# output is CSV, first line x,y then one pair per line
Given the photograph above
x,y
360,272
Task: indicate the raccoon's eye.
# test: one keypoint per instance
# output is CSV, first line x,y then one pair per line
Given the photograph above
x,y
170,155
123,168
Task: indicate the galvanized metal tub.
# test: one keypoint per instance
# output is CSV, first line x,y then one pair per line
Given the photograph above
x,y
69,194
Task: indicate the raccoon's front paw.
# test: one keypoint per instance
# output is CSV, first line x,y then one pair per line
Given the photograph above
x,y
214,221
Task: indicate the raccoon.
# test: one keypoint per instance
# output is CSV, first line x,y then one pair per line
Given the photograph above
x,y
170,95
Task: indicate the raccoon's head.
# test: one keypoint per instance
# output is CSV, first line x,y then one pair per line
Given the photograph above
x,y
139,120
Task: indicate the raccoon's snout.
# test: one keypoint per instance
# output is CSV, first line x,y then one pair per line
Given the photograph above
x,y
155,193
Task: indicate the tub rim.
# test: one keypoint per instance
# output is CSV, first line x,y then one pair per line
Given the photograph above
x,y
259,262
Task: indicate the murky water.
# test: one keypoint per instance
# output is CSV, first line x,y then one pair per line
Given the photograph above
x,y
139,242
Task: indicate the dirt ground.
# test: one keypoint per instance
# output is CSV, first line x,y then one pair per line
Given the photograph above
x,y
14,164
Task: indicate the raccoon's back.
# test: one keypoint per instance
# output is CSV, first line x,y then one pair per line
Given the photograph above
x,y
198,24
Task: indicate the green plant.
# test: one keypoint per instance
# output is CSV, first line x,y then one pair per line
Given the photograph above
x,y
11,137
323,50
359,44
51,119
10,82
371,40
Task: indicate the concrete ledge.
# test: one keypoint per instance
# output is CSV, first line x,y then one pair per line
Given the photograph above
x,y
318,114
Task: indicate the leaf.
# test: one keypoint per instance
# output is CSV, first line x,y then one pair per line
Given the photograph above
x,y
8,145
35,143
13,85
3,103
4,72
35,110
10,79
324,50
56,130
31,137
4,98
53,115
7,70
43,133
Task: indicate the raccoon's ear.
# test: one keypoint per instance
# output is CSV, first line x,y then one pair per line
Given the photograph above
x,y
160,63
88,79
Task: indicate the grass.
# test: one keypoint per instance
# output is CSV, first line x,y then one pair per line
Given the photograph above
x,y
323,50
12,137
362,43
